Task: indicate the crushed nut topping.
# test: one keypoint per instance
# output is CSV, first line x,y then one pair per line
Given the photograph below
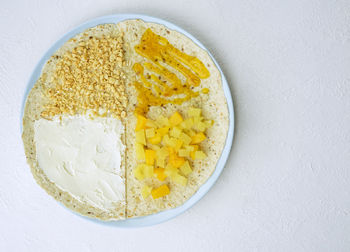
x,y
89,78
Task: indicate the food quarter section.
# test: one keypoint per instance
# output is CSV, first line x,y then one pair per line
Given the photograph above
x,y
158,95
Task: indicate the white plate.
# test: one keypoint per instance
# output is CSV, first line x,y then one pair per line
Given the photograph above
x,y
168,214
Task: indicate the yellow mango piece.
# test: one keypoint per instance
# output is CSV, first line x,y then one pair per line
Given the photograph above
x,y
198,155
186,139
153,147
156,139
175,132
165,140
150,156
197,138
141,123
187,123
159,172
178,179
194,112
150,124
140,137
200,126
138,172
191,133
184,153
146,191
175,160
163,131
195,148
161,191
147,170
186,168
162,121
140,152
175,119
150,133
160,162
170,170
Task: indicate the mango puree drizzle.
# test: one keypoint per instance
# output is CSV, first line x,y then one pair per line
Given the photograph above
x,y
160,52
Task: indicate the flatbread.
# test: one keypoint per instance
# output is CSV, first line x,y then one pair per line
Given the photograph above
x,y
213,106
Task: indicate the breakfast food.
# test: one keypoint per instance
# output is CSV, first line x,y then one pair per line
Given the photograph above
x,y
126,120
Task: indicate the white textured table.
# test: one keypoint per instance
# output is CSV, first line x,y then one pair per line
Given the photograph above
x,y
286,186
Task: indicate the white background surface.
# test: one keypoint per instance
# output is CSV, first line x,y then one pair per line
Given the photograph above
x,y
286,186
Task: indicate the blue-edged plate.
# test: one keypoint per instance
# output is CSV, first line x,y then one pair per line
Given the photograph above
x,y
168,214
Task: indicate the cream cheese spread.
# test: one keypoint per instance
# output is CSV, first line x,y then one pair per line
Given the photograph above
x,y
83,157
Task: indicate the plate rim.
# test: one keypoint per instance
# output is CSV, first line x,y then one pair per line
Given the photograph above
x,y
169,214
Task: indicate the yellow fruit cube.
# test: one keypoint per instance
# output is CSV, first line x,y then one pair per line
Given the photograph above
x,y
163,131
192,154
184,153
150,124
198,155
197,138
187,124
141,123
147,170
138,173
159,172
146,191
150,156
191,133
161,191
156,139
178,179
186,168
140,137
186,139
150,132
162,121
175,160
170,170
194,112
165,140
175,132
200,126
175,119
140,152
153,147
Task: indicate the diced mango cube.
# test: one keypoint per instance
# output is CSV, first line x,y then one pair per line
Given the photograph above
x,y
198,155
162,121
140,137
138,173
200,126
165,140
140,152
192,154
178,179
191,133
175,160
147,170
150,124
175,119
161,191
175,132
156,139
150,132
187,123
170,170
141,123
159,172
153,147
150,156
163,131
197,138
146,191
194,112
186,168
184,153
191,147
185,138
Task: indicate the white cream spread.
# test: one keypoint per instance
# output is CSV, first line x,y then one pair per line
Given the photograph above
x,y
83,157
